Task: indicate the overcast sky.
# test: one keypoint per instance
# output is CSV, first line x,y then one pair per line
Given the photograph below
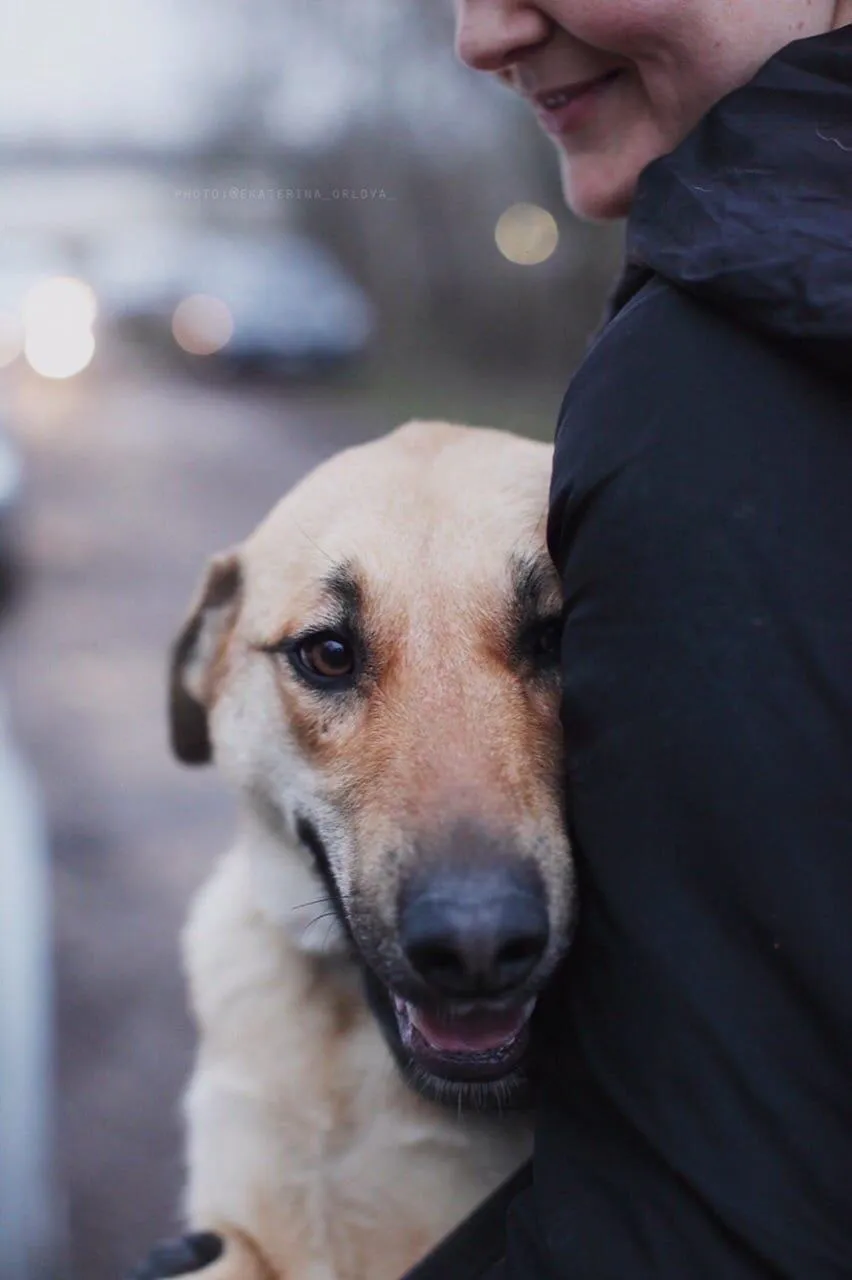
x,y
156,71
96,69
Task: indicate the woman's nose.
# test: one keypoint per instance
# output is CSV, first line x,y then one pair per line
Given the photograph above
x,y
492,34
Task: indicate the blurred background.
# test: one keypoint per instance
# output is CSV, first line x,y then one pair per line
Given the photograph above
x,y
234,237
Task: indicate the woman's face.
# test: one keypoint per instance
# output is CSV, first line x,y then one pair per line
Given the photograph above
x,y
617,83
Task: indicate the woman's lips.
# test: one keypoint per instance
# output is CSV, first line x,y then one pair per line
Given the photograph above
x,y
569,108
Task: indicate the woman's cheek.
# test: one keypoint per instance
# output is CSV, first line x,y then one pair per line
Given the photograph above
x,y
632,29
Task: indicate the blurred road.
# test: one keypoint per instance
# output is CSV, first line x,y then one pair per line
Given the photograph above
x,y
133,480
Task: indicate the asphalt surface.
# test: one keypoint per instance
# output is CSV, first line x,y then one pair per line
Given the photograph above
x,y
132,481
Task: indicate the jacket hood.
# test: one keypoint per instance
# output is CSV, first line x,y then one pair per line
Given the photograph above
x,y
753,211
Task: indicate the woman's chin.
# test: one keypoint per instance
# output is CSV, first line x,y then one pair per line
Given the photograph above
x,y
596,192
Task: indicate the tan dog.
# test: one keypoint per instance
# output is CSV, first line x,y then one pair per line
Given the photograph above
x,y
376,669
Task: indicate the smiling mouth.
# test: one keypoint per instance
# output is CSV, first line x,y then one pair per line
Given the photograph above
x,y
475,1043
566,108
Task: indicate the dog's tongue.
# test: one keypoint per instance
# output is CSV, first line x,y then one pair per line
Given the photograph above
x,y
473,1033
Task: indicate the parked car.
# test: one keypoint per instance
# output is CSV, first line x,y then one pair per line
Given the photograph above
x,y
140,276
31,1241
278,304
11,485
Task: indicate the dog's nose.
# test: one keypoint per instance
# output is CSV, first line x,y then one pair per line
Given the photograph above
x,y
475,932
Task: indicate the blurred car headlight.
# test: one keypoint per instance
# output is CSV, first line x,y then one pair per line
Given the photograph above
x,y
58,315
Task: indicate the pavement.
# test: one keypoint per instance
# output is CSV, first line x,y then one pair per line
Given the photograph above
x,y
134,478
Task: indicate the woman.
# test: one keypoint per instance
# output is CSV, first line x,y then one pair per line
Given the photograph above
x,y
696,1111
696,1119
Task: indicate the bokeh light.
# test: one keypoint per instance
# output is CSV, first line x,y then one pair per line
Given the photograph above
x,y
527,234
58,315
58,354
60,302
202,324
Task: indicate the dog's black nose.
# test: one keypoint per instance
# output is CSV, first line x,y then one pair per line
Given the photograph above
x,y
474,932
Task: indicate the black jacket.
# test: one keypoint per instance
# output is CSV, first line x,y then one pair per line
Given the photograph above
x,y
695,1121
699,1123
753,213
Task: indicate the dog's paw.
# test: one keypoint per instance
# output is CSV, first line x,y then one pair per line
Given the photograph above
x,y
182,1257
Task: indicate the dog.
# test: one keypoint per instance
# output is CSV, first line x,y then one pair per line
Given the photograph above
x,y
375,670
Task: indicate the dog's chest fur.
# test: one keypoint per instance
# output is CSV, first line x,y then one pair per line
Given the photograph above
x,y
301,1133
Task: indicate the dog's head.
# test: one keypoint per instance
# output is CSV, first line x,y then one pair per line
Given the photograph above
x,y
376,669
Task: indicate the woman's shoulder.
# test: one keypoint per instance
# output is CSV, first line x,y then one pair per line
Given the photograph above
x,y
669,365
664,345
659,314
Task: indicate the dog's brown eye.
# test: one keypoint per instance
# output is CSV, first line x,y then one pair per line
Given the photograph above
x,y
549,639
328,656
542,643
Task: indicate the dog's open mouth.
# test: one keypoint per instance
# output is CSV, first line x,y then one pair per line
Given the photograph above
x,y
477,1043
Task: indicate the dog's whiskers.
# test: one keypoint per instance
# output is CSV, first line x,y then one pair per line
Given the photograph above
x,y
314,902
322,916
313,542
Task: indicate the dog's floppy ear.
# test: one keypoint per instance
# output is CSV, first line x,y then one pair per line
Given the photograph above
x,y
194,655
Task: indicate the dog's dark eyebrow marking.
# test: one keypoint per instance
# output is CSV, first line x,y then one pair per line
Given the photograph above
x,y
534,588
344,589
344,607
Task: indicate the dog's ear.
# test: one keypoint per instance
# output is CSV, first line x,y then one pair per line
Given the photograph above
x,y
194,657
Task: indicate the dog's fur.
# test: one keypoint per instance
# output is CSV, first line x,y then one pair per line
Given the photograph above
x,y
308,1149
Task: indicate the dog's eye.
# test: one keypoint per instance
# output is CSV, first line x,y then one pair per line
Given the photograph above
x,y
543,641
327,656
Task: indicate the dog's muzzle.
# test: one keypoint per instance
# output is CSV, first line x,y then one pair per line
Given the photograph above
x,y
473,940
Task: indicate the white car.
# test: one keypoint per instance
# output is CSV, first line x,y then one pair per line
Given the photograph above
x,y
273,303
